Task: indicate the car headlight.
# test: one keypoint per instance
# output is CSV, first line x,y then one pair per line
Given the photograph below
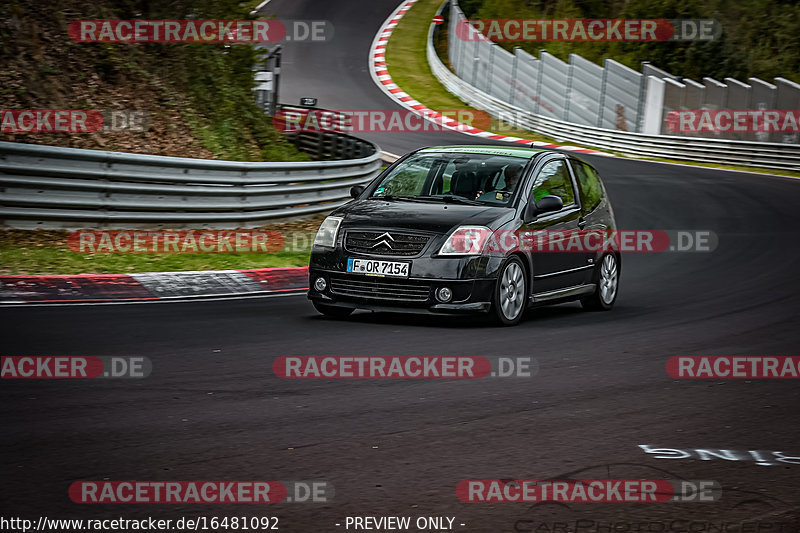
x,y
466,240
326,234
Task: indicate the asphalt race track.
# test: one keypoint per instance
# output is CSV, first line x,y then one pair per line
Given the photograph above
x,y
213,409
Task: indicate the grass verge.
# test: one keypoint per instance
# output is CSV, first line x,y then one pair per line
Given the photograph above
x,y
47,252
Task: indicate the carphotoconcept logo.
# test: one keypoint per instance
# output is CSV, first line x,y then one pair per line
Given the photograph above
x,y
739,510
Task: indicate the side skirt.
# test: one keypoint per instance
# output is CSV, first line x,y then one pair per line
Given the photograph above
x,y
569,293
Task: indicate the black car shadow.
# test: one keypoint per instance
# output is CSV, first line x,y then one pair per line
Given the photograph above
x,y
533,317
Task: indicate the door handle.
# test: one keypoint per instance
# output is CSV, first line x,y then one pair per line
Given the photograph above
x,y
581,222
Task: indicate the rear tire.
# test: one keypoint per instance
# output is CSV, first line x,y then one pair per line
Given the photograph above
x,y
333,311
510,297
606,278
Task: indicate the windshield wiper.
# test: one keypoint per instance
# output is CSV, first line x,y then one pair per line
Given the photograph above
x,y
450,199
387,197
453,198
392,197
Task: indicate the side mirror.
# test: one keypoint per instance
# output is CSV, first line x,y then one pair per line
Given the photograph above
x,y
547,204
356,190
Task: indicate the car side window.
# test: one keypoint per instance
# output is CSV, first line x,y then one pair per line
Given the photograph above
x,y
591,190
447,176
554,180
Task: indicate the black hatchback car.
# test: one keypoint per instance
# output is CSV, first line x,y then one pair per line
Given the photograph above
x,y
439,232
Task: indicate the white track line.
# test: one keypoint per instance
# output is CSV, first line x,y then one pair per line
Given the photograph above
x,y
171,300
259,6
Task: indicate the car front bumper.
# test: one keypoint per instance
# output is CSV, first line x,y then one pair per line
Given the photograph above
x,y
372,305
470,278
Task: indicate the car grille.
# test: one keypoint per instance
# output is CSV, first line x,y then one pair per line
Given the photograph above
x,y
380,288
385,243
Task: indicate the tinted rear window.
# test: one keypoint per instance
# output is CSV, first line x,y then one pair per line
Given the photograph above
x,y
591,190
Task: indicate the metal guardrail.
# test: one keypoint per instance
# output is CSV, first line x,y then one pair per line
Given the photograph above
x,y
334,143
52,187
747,153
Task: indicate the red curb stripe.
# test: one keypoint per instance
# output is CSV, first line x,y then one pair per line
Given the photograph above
x,y
92,300
98,288
34,277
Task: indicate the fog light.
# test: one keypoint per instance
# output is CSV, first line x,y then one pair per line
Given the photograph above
x,y
320,284
444,294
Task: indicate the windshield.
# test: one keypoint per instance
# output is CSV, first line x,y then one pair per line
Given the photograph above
x,y
481,179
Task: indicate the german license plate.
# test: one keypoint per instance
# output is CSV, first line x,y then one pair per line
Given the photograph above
x,y
374,267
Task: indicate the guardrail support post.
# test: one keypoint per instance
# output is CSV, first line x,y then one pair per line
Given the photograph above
x,y
513,89
568,98
539,77
602,99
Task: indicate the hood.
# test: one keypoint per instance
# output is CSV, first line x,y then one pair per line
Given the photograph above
x,y
431,217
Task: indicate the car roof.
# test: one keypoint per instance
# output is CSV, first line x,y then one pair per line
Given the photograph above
x,y
513,151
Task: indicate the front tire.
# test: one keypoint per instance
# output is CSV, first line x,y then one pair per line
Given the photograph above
x,y
333,311
606,277
510,296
